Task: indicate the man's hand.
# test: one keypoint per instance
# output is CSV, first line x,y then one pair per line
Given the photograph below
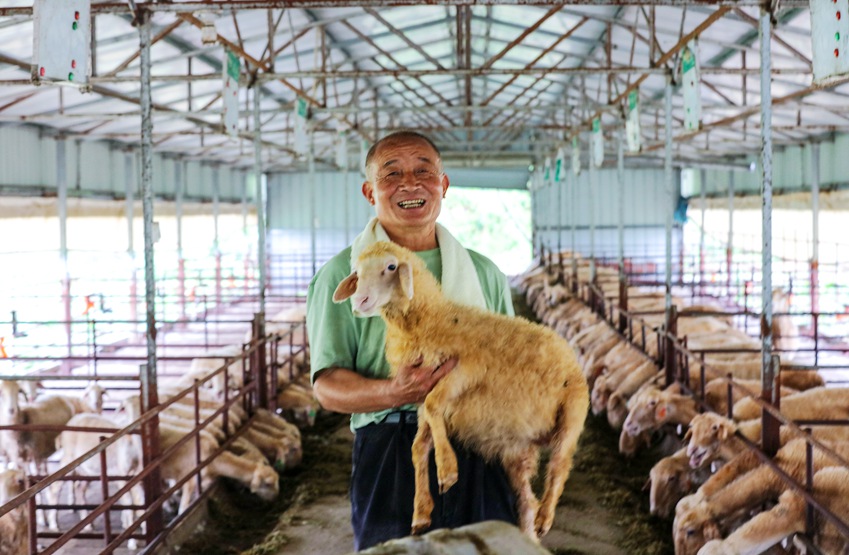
x,y
412,383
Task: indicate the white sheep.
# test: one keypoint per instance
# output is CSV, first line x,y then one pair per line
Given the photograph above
x,y
124,458
502,360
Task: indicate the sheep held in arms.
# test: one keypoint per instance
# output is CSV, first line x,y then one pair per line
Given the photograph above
x,y
503,361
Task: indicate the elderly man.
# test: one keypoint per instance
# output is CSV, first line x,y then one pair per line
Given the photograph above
x,y
405,183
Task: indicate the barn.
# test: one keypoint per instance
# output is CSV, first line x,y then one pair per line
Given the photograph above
x,y
657,185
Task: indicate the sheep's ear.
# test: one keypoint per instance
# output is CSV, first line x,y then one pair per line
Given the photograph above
x,y
346,288
405,275
687,436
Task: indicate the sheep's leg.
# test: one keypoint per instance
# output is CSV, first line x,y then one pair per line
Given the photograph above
x,y
187,492
446,459
422,501
574,402
764,529
79,489
52,514
521,469
129,515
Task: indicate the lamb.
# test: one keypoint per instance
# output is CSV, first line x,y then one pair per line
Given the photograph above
x,y
14,525
498,355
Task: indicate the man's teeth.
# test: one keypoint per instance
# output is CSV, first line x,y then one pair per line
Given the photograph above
x,y
411,203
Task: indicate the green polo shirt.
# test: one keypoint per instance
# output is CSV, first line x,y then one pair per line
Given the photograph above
x,y
338,339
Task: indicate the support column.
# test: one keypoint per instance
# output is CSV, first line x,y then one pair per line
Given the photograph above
x,y
591,210
768,370
247,254
620,181
313,212
149,395
729,249
62,201
574,191
260,201
703,199
670,191
815,238
179,188
129,193
216,245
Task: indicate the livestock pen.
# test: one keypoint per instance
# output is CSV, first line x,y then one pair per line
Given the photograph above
x,y
664,181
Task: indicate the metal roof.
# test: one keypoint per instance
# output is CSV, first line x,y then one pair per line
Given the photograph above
x,y
493,83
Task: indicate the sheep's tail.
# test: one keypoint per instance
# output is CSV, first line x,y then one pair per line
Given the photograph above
x,y
574,404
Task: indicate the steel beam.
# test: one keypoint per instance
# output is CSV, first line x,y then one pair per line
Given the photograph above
x,y
260,198
147,372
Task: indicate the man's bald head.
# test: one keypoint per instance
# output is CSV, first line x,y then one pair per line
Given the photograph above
x,y
395,138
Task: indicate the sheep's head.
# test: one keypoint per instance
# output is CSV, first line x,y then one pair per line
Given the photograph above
x,y
641,411
706,435
265,482
693,529
11,484
10,396
669,481
381,275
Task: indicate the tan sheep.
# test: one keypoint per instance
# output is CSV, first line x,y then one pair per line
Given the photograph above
x,y
820,403
706,518
498,355
831,489
14,525
653,408
670,479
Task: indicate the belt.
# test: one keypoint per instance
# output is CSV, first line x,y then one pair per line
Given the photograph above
x,y
405,416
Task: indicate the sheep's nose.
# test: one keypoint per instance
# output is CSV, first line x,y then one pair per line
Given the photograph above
x,y
363,301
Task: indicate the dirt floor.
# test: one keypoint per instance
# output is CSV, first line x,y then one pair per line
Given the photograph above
x,y
602,512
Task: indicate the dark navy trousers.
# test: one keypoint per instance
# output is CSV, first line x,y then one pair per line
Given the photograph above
x,y
383,486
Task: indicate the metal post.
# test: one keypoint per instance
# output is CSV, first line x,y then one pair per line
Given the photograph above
x,y
179,188
147,374
247,255
347,197
703,199
591,210
815,212
620,178
216,245
313,213
729,249
258,359
574,191
62,193
768,371
260,204
129,193
559,185
668,180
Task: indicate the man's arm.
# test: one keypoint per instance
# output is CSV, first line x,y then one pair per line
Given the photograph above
x,y
345,391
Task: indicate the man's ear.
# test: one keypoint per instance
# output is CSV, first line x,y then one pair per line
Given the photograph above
x,y
346,288
405,274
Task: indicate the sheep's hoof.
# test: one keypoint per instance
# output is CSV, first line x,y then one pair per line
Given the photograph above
x,y
543,523
420,525
445,482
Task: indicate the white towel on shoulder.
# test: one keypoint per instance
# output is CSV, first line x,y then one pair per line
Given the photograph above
x,y
459,278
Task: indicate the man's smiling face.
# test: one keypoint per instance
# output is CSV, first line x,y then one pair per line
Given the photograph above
x,y
406,184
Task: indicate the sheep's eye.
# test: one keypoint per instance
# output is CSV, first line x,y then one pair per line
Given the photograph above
x,y
391,267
